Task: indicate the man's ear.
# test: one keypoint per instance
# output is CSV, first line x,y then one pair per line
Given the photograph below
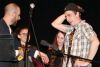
x,y
77,14
12,15
18,36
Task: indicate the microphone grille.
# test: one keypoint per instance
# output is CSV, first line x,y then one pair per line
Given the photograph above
x,y
32,5
44,43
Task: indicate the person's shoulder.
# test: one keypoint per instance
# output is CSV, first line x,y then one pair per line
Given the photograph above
x,y
85,24
1,20
0,23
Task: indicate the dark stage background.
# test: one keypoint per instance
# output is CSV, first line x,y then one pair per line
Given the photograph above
x,y
46,11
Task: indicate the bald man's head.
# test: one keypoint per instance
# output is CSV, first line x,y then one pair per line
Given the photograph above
x,y
12,13
11,8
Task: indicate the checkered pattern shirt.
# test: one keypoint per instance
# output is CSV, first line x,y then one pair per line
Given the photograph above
x,y
81,39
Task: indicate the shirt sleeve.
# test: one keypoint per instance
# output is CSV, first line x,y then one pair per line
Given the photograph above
x,y
88,30
16,52
36,53
33,52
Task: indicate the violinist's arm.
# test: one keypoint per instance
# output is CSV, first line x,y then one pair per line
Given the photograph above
x,y
43,56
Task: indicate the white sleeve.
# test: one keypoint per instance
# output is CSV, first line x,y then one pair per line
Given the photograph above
x,y
36,53
16,52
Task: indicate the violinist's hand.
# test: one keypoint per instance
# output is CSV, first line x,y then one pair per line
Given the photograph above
x,y
44,57
21,53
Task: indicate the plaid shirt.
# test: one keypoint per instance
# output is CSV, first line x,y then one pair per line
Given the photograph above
x,y
81,39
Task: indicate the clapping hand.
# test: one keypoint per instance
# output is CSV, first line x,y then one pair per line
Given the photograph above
x,y
44,57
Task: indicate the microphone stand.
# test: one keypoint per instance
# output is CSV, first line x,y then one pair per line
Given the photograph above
x,y
26,47
37,44
26,51
30,25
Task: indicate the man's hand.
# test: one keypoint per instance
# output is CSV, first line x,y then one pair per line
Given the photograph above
x,y
44,57
81,63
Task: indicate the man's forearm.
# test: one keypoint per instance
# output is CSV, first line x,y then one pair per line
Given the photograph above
x,y
58,23
58,20
93,51
94,48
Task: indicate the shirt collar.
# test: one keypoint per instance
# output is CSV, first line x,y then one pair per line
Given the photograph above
x,y
78,25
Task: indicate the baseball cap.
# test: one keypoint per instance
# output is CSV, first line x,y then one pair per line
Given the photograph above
x,y
73,7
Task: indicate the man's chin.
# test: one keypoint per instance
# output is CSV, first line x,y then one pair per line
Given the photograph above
x,y
14,24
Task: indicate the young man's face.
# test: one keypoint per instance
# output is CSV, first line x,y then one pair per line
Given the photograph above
x,y
71,16
23,35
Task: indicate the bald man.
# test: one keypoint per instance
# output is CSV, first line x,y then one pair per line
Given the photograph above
x,y
7,52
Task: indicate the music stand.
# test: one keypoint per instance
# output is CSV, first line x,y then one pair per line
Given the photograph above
x,y
7,53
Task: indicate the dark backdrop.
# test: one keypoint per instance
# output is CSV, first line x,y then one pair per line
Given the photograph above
x,y
46,11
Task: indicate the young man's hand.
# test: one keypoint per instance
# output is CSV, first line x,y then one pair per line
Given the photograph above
x,y
44,57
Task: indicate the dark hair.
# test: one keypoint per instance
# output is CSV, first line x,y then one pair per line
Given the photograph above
x,y
73,7
18,30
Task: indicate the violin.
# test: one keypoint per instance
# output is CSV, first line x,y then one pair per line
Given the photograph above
x,y
36,61
20,57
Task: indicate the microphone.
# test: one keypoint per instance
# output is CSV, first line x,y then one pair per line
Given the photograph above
x,y
57,51
45,43
32,5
